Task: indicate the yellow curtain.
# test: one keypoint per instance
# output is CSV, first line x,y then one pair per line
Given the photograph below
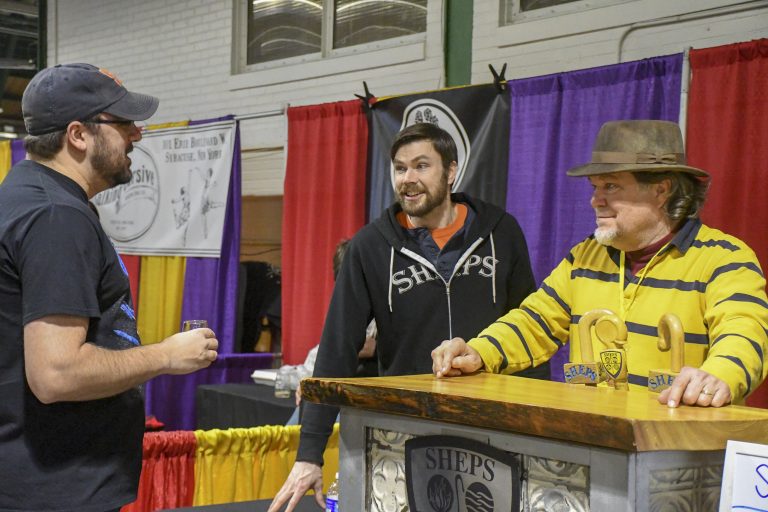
x,y
242,464
161,289
5,158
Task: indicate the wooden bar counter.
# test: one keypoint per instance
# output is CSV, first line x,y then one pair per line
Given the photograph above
x,y
580,448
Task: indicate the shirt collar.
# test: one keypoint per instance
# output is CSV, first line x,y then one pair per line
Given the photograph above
x,y
683,239
686,235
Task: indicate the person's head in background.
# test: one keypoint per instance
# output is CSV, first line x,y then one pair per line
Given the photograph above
x,y
424,158
338,256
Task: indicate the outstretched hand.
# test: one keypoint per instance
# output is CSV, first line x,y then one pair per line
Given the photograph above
x,y
303,476
696,387
454,357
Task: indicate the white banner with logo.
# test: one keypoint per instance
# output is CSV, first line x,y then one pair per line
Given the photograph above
x,y
175,203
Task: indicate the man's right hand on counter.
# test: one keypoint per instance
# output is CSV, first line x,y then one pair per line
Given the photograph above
x,y
303,476
694,386
454,357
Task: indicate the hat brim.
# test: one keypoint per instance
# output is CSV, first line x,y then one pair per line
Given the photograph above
x,y
596,169
134,106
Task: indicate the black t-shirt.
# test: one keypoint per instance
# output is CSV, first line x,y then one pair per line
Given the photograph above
x,y
55,259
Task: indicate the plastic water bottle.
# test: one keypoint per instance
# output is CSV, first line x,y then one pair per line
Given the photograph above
x,y
332,496
283,382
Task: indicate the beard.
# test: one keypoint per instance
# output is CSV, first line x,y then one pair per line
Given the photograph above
x,y
112,166
606,236
430,201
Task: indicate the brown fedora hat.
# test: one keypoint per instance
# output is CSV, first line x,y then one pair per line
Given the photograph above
x,y
637,146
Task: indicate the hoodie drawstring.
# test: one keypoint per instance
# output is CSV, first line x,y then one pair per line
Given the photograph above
x,y
391,268
493,272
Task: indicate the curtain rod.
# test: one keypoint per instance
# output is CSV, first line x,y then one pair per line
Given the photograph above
x,y
691,16
260,115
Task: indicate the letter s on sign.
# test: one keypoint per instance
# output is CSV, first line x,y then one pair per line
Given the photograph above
x,y
762,472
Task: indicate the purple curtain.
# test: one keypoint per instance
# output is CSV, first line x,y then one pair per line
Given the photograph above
x,y
17,151
171,398
210,291
554,121
210,284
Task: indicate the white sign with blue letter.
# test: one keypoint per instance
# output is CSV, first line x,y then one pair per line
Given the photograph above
x,y
745,477
175,202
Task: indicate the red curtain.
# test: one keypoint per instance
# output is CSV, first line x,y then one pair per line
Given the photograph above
x,y
728,136
133,266
324,202
167,472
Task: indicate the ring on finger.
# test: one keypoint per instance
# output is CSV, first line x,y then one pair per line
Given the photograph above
x,y
707,392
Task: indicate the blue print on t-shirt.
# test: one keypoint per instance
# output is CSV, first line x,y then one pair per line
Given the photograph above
x,y
126,336
128,310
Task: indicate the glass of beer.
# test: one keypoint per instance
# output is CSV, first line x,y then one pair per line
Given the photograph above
x,y
194,324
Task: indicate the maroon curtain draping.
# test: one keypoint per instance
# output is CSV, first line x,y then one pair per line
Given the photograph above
x,y
167,472
727,135
324,202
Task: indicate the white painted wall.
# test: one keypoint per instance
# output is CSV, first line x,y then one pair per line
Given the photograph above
x,y
628,30
181,51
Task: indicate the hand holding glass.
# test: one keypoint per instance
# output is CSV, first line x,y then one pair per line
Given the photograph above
x,y
194,324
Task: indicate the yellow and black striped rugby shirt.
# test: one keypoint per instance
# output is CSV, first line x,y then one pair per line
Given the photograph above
x,y
712,281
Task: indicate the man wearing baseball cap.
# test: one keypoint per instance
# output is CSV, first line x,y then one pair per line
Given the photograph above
x,y
71,414
649,255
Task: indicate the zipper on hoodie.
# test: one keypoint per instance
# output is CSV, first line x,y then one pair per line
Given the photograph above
x,y
428,264
450,317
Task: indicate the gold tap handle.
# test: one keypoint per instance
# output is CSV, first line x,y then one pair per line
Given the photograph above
x,y
671,335
611,331
586,322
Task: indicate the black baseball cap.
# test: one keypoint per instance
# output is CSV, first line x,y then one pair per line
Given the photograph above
x,y
58,95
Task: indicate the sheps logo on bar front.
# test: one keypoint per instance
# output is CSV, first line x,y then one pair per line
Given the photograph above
x,y
447,474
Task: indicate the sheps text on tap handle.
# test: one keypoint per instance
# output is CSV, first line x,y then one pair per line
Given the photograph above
x,y
671,338
588,371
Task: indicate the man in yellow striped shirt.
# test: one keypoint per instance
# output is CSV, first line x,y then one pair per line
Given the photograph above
x,y
649,255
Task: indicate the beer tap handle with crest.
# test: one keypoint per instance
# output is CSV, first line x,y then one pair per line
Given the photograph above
x,y
588,371
612,333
